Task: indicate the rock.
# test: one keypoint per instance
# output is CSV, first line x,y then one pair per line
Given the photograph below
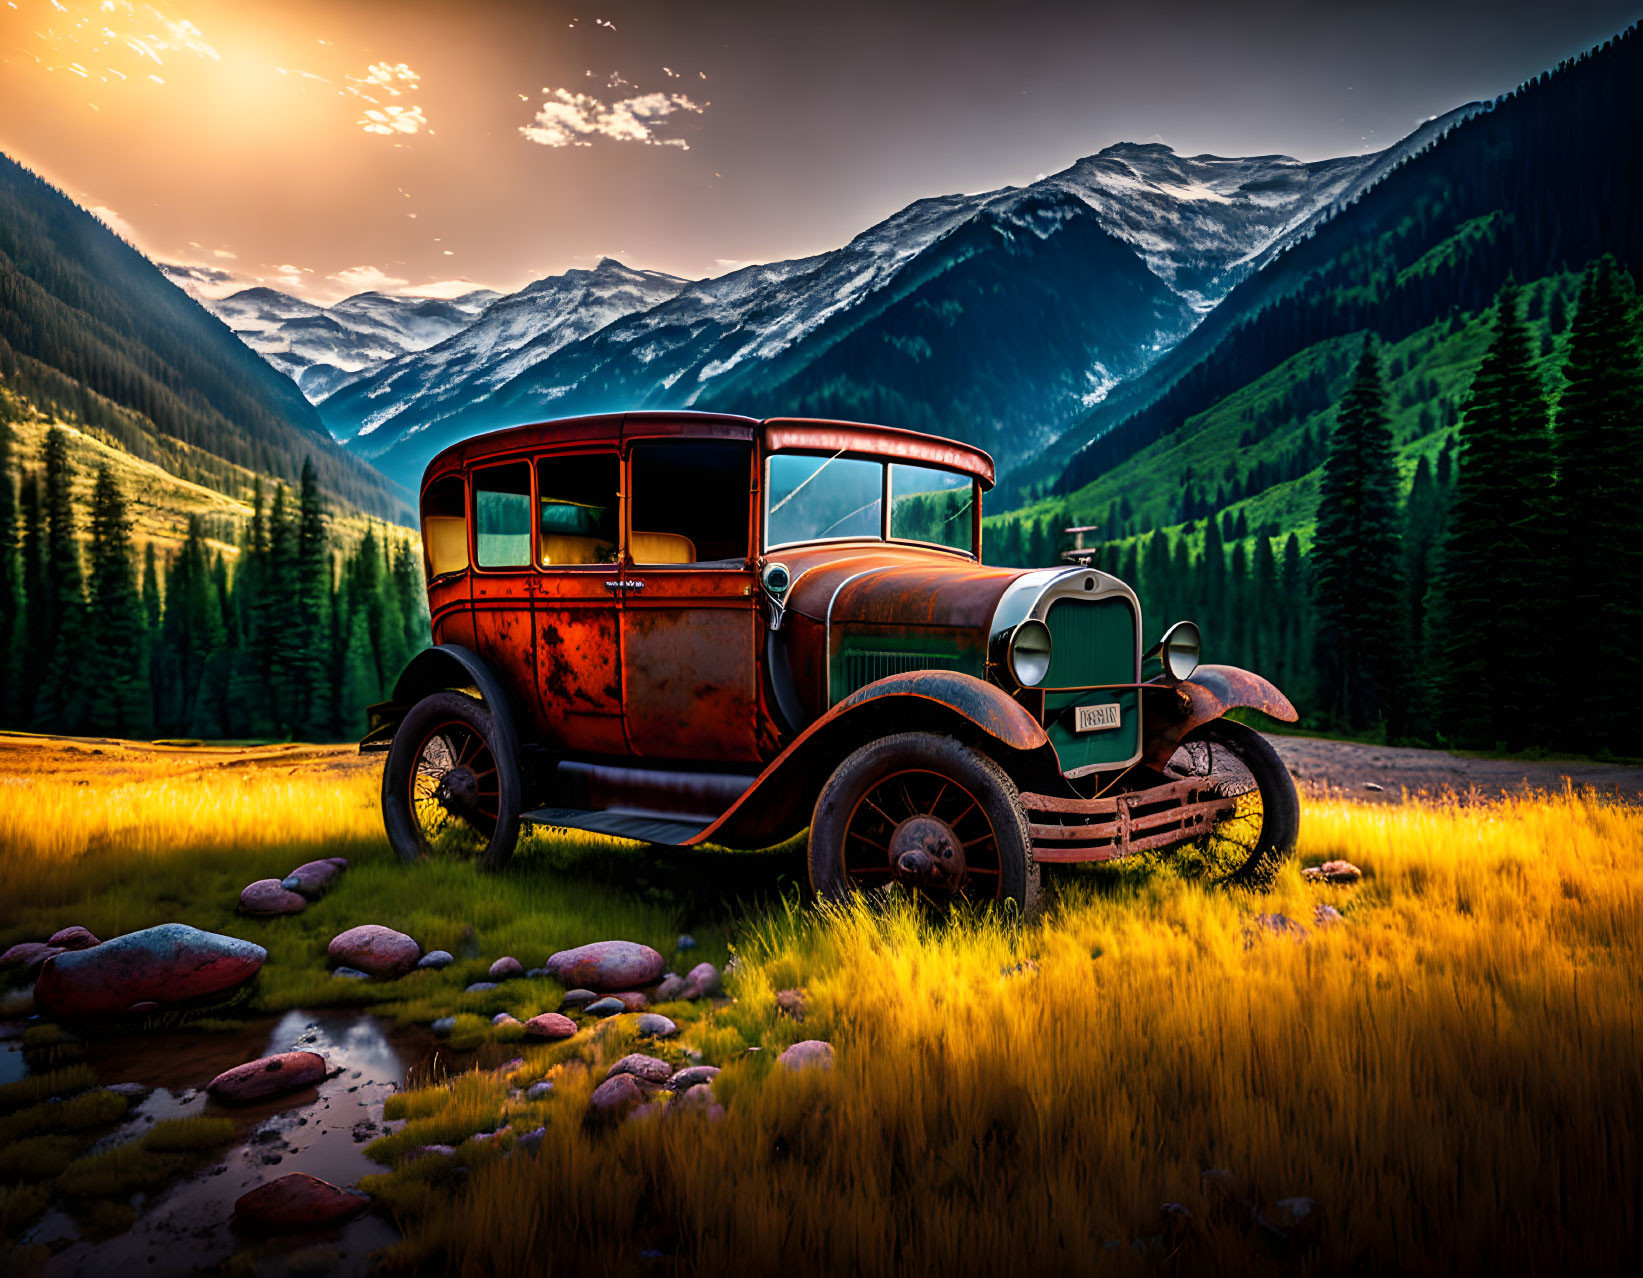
x,y
73,938
614,1098
268,1076
700,1100
1374,785
605,1007
537,973
341,862
266,898
649,1068
131,1091
607,965
30,955
313,879
692,1076
790,1003
576,999
671,988
379,950
297,1201
172,963
652,1025
443,1025
1340,872
1274,925
686,941
632,1000
531,1141
813,1053
1327,915
550,1025
434,960
479,987
429,1151
506,968
351,974
504,1018
539,1091
1292,1211
705,978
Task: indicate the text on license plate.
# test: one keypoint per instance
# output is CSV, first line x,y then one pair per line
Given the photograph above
x,y
1095,718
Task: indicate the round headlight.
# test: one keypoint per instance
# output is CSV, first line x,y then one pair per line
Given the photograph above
x,y
1182,646
1030,653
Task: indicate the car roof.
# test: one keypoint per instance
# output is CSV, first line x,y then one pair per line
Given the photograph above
x,y
795,434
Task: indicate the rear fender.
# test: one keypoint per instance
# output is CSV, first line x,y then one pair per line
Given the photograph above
x,y
436,669
778,803
1171,710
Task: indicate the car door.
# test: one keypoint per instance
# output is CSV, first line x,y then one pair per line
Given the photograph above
x,y
502,580
689,614
578,600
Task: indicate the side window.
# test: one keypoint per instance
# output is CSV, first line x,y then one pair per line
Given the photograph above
x,y
577,509
502,516
445,527
689,503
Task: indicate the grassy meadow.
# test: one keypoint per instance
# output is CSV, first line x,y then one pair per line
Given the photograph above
x,y
1453,1073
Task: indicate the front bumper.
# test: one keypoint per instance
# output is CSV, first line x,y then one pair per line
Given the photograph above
x,y
1106,828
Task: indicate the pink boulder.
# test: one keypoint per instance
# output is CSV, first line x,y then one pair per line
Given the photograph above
x,y
632,1000
256,1079
646,1068
381,951
29,955
550,1025
606,965
266,898
297,1201
506,968
699,1100
73,938
313,879
614,1098
704,979
813,1053
172,963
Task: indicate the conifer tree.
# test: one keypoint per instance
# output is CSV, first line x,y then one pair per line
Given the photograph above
x,y
32,625
1357,563
11,569
59,703
116,667
1266,609
1599,446
1295,590
1425,514
1498,599
309,691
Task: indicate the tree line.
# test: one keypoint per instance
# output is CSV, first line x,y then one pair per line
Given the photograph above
x,y
293,640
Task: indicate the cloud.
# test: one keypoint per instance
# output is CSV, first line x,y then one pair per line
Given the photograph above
x,y
362,279
203,282
393,119
109,218
571,119
441,288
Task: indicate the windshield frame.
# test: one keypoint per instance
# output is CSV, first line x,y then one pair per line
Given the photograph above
x,y
885,464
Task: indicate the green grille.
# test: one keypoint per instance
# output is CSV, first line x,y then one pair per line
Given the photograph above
x,y
861,666
1092,642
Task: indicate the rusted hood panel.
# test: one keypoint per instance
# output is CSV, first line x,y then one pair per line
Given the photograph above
x,y
897,586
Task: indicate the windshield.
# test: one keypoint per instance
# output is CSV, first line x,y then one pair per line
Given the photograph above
x,y
817,497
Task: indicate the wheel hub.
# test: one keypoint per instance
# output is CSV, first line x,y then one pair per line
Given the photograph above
x,y
924,852
458,791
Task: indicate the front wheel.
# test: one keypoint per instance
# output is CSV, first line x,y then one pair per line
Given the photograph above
x,y
1246,847
450,784
929,813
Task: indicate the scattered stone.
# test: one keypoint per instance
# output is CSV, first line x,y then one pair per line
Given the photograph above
x,y
479,987
632,1000
653,1025
614,1098
266,898
313,879
504,1018
576,999
539,1091
434,960
607,965
700,1100
379,950
531,1141
605,1007
30,955
1275,925
685,942
537,973
790,1003
172,963
671,988
341,862
1292,1211
1374,785
272,1074
704,977
363,1131
1327,915
1332,872
812,1053
444,1025
639,1065
506,968
73,938
692,1076
429,1151
351,974
298,1201
131,1091
550,1025
508,1067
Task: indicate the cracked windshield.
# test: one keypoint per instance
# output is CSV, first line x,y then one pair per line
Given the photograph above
x,y
817,498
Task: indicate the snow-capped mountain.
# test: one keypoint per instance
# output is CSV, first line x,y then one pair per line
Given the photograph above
x,y
513,335
320,347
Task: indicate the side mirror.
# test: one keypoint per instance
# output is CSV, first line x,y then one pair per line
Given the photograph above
x,y
775,579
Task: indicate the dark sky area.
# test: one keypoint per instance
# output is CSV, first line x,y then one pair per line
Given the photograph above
x,y
325,147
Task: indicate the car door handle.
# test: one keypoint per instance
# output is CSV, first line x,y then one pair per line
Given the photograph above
x,y
623,583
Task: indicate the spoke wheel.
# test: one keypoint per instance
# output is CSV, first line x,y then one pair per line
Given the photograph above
x,y
928,814
450,786
1246,846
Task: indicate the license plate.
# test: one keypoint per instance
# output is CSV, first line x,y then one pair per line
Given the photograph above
x,y
1097,718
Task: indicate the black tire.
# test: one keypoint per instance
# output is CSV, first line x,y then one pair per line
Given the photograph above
x,y
441,734
1247,850
987,823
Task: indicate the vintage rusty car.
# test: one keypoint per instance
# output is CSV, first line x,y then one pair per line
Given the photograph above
x,y
688,628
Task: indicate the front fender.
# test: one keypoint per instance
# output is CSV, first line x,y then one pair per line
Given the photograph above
x,y
445,665
1171,710
778,803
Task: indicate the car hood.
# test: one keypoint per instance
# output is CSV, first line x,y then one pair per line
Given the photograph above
x,y
895,585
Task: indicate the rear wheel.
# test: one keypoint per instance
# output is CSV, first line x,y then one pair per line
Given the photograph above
x,y
1246,847
926,812
450,785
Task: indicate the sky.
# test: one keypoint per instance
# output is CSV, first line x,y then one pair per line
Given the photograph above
x,y
325,148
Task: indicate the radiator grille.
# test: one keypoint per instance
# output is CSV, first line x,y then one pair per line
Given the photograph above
x,y
864,665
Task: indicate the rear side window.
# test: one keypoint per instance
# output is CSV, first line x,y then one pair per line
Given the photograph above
x,y
502,516
445,527
576,516
690,502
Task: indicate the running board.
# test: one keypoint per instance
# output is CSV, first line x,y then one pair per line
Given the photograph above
x,y
646,827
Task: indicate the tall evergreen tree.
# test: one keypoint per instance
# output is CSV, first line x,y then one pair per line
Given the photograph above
x,y
32,626
1294,588
1599,443
1266,609
1499,600
1357,563
116,667
310,688
59,702
11,571
1425,515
